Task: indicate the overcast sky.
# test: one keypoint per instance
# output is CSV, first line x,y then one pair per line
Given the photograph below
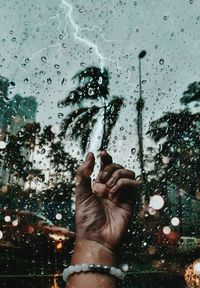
x,y
37,36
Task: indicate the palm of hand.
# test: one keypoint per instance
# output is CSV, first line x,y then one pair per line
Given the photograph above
x,y
103,220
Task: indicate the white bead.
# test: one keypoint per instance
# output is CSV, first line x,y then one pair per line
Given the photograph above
x,y
77,268
65,274
70,269
84,267
118,273
113,270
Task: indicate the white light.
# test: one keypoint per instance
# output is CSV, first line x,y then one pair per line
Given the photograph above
x,y
165,160
55,129
7,218
15,222
151,211
59,216
166,230
175,221
156,202
2,145
197,268
125,267
57,237
1,234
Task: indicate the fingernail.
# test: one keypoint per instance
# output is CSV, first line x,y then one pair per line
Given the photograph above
x,y
111,182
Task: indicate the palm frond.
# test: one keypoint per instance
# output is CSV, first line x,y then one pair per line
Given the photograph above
x,y
84,124
191,94
93,84
70,119
110,118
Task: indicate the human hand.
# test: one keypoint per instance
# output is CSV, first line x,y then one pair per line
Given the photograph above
x,y
103,209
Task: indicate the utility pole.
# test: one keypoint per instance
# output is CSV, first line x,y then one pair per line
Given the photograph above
x,y
140,107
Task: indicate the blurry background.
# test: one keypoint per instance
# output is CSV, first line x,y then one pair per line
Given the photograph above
x,y
79,76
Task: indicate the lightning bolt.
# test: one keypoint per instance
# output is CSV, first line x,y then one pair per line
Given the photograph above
x,y
67,11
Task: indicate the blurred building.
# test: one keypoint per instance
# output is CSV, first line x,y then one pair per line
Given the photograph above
x,y
16,112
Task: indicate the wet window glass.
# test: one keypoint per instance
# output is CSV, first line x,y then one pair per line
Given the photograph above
x,y
80,76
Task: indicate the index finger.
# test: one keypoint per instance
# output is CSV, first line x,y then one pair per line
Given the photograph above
x,y
105,159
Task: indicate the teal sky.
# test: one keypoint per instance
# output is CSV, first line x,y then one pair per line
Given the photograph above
x,y
44,42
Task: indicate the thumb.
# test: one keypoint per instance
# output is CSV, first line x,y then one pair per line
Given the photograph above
x,y
83,173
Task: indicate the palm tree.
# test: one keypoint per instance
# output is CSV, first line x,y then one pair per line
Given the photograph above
x,y
4,106
93,86
179,133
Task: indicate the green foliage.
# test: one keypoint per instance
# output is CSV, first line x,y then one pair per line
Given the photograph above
x,y
192,94
179,133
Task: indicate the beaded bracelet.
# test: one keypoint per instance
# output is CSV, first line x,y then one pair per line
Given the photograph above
x,y
92,268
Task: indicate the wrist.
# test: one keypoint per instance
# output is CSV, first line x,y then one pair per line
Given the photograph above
x,y
92,252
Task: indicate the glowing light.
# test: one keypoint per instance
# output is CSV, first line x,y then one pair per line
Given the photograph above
x,y
166,230
15,222
2,145
4,188
192,275
165,160
152,249
197,268
156,202
125,267
58,216
7,218
55,129
1,234
55,285
175,221
151,211
57,237
59,246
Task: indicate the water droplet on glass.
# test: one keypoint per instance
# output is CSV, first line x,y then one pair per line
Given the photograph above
x,y
43,59
133,150
60,115
64,81
12,84
161,61
2,145
49,81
